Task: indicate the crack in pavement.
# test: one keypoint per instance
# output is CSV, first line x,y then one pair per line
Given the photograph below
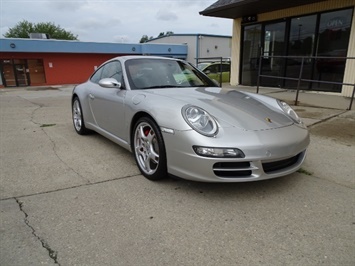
x,y
60,159
72,187
326,119
52,253
39,106
54,148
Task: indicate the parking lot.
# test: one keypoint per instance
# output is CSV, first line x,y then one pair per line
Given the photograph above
x,y
67,199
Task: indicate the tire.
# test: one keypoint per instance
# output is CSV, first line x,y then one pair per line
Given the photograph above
x,y
149,149
78,118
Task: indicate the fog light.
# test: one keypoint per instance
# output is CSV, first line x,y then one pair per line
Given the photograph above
x,y
218,152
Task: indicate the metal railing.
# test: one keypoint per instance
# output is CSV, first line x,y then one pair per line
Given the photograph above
x,y
214,60
300,79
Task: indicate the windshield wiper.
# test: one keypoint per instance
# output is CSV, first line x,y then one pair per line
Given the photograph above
x,y
202,86
161,86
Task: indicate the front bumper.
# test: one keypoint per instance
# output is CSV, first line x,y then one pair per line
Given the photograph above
x,y
268,154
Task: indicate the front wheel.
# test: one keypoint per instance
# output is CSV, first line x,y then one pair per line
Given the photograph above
x,y
78,118
149,149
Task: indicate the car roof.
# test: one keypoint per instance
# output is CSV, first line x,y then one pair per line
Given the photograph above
x,y
128,57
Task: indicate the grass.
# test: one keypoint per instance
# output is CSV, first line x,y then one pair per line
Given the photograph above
x,y
304,171
48,125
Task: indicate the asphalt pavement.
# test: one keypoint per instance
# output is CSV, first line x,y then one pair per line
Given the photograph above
x,y
67,199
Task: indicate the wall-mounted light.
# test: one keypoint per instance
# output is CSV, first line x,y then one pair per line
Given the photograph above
x,y
12,45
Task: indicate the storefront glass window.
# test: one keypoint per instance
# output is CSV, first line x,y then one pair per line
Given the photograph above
x,y
333,40
301,43
274,45
324,34
22,72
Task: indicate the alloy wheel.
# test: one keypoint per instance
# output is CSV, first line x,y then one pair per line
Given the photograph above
x,y
77,117
146,148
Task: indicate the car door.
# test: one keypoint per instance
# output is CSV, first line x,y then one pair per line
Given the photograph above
x,y
108,104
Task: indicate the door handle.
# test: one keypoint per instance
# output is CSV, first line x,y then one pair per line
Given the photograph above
x,y
92,97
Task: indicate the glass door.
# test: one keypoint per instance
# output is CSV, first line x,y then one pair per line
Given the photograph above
x,y
251,54
301,43
21,75
273,45
36,71
9,75
14,72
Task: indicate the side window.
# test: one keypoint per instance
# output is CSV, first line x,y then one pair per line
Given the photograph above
x,y
212,69
226,67
112,70
97,75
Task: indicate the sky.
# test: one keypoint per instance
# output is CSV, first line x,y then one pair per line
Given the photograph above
x,y
120,21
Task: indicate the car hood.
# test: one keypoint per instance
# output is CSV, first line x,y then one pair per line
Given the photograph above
x,y
231,108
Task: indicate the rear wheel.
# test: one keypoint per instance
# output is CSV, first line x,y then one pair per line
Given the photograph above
x,y
78,118
149,149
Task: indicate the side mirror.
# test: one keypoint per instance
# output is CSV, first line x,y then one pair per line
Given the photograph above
x,y
110,83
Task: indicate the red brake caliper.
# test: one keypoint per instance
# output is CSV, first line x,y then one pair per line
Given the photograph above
x,y
146,131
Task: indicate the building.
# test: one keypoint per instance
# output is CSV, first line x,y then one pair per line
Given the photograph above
x,y
34,62
295,29
199,45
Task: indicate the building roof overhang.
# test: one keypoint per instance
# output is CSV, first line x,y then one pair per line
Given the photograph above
x,y
17,45
239,8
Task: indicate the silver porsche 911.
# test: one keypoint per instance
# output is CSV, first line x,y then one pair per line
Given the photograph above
x,y
178,122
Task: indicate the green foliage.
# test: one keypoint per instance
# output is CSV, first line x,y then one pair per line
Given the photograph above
x,y
24,28
304,171
48,125
145,38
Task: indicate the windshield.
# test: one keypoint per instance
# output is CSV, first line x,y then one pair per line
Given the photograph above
x,y
149,73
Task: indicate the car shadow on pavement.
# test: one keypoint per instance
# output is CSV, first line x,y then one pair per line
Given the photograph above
x,y
256,188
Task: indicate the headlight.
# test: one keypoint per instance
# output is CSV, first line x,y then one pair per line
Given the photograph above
x,y
289,111
218,152
200,120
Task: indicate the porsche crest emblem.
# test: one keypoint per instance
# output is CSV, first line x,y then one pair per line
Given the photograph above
x,y
268,119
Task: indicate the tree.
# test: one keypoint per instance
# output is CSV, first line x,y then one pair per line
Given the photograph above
x,y
162,34
24,28
145,38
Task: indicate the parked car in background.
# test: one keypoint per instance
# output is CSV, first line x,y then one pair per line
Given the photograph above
x,y
177,121
215,69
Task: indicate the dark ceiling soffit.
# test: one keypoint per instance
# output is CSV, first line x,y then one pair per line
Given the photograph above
x,y
248,7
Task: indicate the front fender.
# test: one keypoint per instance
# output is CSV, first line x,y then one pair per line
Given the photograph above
x,y
164,110
82,93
